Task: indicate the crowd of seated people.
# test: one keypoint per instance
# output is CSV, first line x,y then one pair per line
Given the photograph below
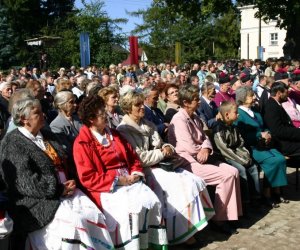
x,y
142,157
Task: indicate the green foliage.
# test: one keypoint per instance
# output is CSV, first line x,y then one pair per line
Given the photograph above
x,y
227,35
193,23
101,29
7,41
196,10
283,11
25,19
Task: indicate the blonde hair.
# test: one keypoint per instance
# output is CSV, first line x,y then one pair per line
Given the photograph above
x,y
130,99
105,92
63,84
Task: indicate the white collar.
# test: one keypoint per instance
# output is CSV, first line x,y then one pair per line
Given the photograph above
x,y
277,102
102,139
247,110
38,139
205,99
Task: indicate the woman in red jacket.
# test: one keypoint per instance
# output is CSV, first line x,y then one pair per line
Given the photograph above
x,y
111,174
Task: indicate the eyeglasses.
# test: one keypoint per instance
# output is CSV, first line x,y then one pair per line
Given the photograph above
x,y
138,104
173,92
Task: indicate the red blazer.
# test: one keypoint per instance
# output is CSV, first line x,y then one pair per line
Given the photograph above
x,y
94,176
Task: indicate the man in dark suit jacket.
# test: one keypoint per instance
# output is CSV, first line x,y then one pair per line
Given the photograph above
x,y
208,109
141,70
278,121
152,113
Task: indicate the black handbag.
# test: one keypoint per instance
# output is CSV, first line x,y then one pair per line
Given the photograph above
x,y
171,163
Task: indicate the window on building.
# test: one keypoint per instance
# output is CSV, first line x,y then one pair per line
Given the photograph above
x,y
274,38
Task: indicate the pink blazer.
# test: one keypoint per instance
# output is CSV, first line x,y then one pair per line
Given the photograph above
x,y
187,136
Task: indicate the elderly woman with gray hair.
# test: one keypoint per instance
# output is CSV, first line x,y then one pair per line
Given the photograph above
x,y
259,142
17,96
66,125
48,211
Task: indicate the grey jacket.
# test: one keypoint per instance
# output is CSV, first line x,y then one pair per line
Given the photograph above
x,y
65,131
32,184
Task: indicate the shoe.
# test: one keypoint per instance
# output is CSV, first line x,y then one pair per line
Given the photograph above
x,y
224,228
279,199
283,200
269,202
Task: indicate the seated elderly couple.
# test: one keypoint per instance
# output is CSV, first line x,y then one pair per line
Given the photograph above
x,y
117,211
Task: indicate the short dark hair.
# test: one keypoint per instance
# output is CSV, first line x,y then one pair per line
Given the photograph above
x,y
278,86
89,107
172,85
261,77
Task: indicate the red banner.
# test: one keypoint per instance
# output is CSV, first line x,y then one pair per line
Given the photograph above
x,y
134,54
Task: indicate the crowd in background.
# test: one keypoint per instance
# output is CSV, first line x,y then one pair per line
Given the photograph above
x,y
121,157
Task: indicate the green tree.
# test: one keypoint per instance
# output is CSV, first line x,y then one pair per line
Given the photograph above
x,y
102,32
191,23
33,18
287,13
25,19
7,41
227,35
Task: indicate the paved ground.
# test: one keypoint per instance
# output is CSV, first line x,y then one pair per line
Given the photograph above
x,y
274,229
278,228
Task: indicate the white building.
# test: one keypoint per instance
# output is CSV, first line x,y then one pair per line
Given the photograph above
x,y
272,38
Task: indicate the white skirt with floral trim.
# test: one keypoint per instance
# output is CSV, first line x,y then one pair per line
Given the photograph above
x,y
133,217
78,224
186,203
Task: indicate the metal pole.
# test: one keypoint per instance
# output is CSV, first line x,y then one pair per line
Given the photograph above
x,y
248,46
259,32
259,39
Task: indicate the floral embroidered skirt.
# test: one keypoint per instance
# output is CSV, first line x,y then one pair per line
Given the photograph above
x,y
186,203
78,224
133,217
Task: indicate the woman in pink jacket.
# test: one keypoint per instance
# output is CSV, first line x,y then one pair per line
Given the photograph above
x,y
187,136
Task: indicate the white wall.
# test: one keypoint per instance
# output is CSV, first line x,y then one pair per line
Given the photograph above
x,y
249,26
